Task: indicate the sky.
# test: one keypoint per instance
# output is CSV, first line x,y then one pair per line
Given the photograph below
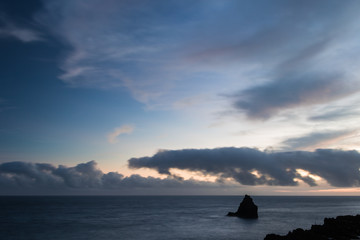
x,y
170,97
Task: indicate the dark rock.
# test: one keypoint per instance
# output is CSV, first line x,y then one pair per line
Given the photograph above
x,y
247,209
340,228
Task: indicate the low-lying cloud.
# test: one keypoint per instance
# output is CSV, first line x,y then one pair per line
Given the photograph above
x,y
250,166
246,166
86,178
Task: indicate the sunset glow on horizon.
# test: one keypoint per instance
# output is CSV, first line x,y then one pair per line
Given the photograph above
x,y
180,97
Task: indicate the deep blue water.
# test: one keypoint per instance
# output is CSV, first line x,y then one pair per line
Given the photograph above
x,y
161,217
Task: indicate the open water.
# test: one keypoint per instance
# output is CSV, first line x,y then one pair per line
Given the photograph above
x,y
161,217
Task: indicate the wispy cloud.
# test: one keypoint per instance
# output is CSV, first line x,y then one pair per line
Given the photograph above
x,y
336,113
302,72
126,45
254,167
125,129
264,101
277,62
322,139
25,35
11,30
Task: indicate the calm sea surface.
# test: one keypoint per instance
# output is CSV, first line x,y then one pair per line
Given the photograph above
x,y
185,217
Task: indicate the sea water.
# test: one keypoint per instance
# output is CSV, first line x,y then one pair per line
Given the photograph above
x,y
161,217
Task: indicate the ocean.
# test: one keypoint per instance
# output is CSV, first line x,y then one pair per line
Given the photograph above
x,y
161,217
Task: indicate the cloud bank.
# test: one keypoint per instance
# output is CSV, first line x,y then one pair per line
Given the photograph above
x,y
246,166
250,166
86,178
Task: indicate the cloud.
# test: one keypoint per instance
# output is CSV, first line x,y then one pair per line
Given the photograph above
x,y
86,178
9,29
245,165
336,113
250,166
264,101
125,129
122,44
25,35
150,47
294,60
317,139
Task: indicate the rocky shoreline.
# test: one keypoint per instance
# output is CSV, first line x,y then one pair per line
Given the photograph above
x,y
339,228
247,209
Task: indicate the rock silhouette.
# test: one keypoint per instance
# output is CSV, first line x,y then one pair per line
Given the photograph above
x,y
341,228
247,209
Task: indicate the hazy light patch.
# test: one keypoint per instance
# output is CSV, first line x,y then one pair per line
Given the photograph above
x,y
143,172
297,180
350,143
256,173
189,102
322,189
194,175
337,190
304,173
300,190
125,129
334,141
269,178
315,177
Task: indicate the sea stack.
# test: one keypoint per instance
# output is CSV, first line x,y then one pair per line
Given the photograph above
x,y
247,209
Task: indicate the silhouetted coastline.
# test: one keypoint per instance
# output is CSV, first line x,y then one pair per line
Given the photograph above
x,y
341,228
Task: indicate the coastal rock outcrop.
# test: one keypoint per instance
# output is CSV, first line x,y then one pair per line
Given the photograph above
x,y
341,228
247,209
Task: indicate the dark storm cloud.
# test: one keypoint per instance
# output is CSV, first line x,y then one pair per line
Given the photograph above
x,y
86,178
253,167
316,138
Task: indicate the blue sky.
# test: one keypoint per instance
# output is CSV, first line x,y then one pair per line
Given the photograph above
x,y
123,83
